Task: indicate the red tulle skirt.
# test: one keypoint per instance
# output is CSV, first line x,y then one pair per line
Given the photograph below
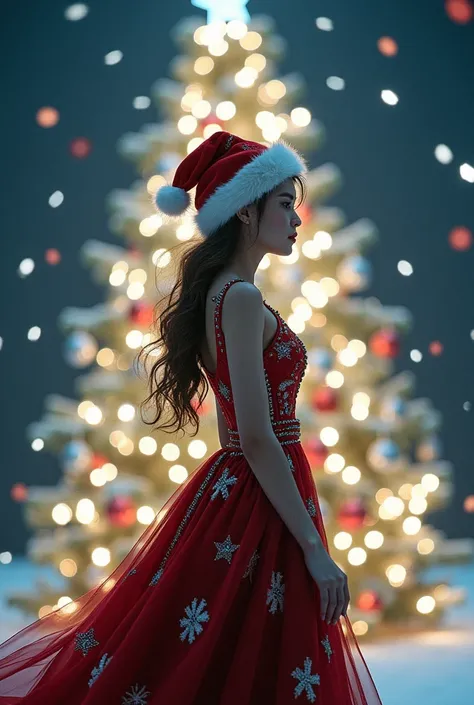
x,y
213,605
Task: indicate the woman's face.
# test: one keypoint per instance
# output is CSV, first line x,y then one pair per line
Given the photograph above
x,y
279,220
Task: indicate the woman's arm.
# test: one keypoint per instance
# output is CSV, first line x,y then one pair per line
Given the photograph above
x,y
222,426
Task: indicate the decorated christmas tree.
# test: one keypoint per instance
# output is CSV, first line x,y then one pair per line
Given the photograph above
x,y
374,450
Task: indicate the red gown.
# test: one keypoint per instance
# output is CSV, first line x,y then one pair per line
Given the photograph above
x,y
214,605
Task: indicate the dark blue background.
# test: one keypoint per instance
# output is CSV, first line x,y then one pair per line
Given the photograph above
x,y
385,154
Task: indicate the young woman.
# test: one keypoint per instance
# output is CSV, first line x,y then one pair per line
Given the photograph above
x,y
230,597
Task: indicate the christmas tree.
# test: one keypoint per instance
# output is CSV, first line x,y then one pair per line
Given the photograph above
x,y
373,449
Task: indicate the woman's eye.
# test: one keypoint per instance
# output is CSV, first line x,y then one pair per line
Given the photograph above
x,y
287,204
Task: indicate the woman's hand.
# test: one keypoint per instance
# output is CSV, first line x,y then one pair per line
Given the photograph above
x,y
331,581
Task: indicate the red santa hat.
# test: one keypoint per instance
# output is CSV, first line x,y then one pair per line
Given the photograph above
x,y
229,173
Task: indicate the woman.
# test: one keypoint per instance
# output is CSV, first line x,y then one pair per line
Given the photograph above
x,y
230,596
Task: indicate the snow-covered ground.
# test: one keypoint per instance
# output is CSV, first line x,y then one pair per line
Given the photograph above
x,y
432,668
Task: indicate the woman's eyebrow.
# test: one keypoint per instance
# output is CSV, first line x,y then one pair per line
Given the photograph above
x,y
288,195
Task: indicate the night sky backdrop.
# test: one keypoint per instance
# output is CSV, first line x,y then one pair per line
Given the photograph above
x,y
385,153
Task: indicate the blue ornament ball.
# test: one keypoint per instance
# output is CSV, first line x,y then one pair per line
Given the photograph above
x,y
76,456
355,273
393,408
384,455
80,349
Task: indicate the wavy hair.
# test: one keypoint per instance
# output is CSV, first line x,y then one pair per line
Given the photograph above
x,y
175,378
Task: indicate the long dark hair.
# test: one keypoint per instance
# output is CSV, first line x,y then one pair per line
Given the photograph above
x,y
180,321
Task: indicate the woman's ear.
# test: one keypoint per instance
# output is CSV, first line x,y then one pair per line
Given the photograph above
x,y
244,215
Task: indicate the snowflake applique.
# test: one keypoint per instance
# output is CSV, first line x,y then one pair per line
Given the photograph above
x,y
85,641
193,619
225,549
306,681
251,566
98,670
327,647
276,593
138,695
222,483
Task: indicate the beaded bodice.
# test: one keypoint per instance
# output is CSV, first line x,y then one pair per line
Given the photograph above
x,y
285,361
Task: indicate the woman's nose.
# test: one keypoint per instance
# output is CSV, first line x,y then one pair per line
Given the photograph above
x,y
297,221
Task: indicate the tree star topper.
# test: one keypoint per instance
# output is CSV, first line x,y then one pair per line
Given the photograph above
x,y
223,10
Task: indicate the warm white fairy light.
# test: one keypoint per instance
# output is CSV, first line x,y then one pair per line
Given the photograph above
x,y
37,444
76,12
405,268
324,24
141,102
204,65
56,199
416,355
335,83
100,556
251,41
187,124
62,514
201,109
389,97
85,511
246,77
145,515
443,154
113,57
218,48
34,333
126,412
226,110
466,172
147,445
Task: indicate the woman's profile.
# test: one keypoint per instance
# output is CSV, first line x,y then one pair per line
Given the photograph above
x,y
230,596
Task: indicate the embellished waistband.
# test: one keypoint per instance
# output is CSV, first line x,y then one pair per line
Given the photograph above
x,y
286,430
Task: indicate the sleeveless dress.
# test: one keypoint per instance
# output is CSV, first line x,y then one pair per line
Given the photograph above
x,y
214,604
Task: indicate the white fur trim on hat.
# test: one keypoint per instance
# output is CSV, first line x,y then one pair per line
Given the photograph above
x,y
172,200
261,175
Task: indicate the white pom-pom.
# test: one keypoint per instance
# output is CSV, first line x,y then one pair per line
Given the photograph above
x,y
172,200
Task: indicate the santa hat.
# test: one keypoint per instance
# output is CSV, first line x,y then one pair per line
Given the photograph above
x,y
229,173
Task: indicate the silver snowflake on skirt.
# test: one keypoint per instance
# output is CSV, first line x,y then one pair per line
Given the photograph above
x,y
193,619
138,695
225,549
252,565
85,641
276,593
221,485
327,647
104,661
306,681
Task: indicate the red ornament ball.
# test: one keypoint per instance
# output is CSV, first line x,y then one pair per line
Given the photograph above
x,y
325,399
211,119
305,212
387,46
141,314
19,492
52,256
352,514
385,343
369,601
80,147
98,460
459,11
436,348
316,452
47,117
460,238
121,511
